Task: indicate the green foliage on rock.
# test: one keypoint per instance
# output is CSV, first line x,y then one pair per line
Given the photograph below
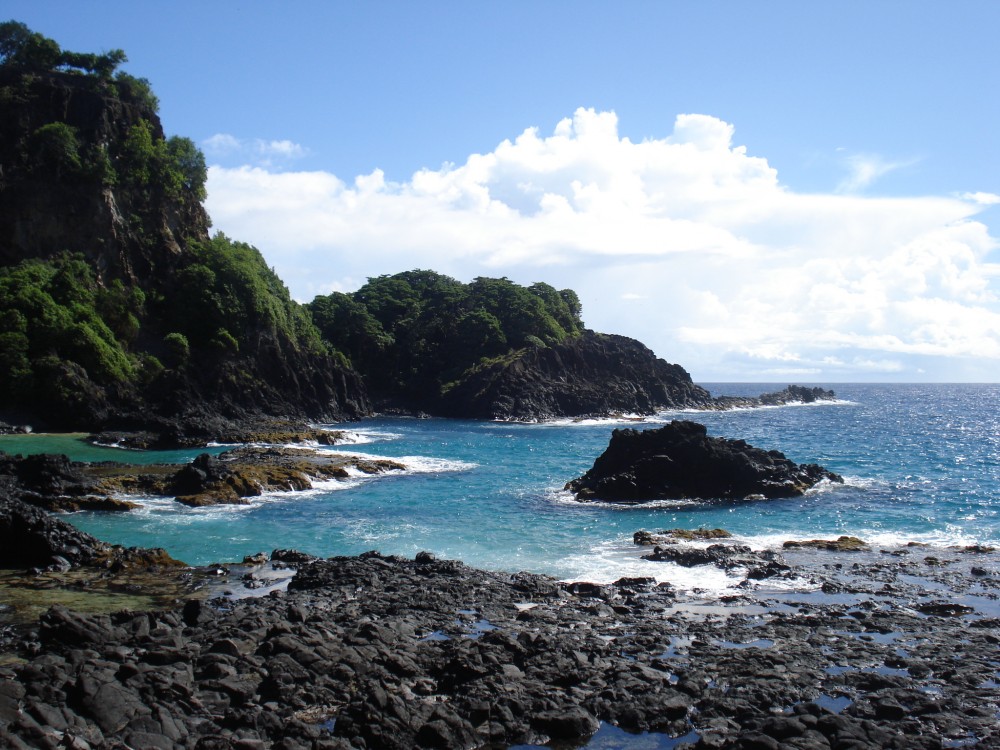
x,y
52,309
414,333
173,165
226,296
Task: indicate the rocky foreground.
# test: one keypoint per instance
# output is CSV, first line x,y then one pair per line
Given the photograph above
x,y
853,650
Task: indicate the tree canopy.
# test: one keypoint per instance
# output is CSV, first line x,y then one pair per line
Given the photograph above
x,y
414,333
22,48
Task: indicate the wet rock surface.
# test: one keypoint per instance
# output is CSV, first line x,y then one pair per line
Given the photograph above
x,y
242,473
792,394
272,431
373,651
55,483
681,461
32,538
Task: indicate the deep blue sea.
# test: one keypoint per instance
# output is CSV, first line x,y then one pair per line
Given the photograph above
x,y
922,463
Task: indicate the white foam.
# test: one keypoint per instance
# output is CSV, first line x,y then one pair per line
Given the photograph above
x,y
565,497
414,464
361,436
662,417
610,560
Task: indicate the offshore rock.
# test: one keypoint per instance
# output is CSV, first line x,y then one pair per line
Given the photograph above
x,y
680,461
248,472
793,394
593,374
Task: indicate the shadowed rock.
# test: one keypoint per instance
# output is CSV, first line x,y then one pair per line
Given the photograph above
x,y
680,461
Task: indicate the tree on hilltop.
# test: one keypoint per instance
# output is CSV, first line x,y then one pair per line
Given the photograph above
x,y
20,47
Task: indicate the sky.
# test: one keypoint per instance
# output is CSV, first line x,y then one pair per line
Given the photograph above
x,y
774,191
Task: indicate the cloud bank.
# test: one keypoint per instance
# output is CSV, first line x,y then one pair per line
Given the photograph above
x,y
686,242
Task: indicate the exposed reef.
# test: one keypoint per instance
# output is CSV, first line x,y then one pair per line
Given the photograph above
x,y
681,461
55,483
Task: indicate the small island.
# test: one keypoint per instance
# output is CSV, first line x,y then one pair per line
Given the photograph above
x,y
681,461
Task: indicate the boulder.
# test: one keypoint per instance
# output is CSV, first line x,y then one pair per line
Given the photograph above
x,y
840,544
681,461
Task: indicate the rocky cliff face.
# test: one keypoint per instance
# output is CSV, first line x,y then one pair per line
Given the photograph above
x,y
59,195
85,172
592,374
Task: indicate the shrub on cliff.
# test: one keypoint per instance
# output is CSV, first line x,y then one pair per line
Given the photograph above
x,y
227,296
52,308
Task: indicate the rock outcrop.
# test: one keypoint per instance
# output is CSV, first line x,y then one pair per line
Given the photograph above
x,y
793,394
593,374
681,461
244,473
32,538
55,483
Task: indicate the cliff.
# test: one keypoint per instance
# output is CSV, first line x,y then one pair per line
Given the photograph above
x,y
117,309
592,374
493,349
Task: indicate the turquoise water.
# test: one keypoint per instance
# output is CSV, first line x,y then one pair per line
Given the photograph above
x,y
76,447
922,463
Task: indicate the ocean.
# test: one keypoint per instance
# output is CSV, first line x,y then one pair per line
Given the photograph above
x,y
921,464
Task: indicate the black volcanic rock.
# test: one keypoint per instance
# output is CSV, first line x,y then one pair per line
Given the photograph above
x,y
591,375
680,461
384,652
792,394
32,538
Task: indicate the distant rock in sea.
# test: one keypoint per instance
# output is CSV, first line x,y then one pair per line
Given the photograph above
x,y
681,461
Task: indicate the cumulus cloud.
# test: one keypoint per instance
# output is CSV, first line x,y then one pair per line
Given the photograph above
x,y
686,242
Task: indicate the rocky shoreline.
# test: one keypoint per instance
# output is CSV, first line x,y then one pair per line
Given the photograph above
x,y
815,649
233,477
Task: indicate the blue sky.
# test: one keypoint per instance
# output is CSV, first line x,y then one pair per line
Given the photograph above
x,y
758,191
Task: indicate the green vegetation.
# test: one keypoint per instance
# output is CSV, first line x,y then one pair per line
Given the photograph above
x,y
173,165
413,333
52,309
54,315
154,310
152,313
27,50
226,299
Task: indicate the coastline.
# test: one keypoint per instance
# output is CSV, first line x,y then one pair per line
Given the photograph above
x,y
884,648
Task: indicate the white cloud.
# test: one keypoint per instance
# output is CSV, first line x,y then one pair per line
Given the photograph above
x,y
864,169
985,199
257,151
685,242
